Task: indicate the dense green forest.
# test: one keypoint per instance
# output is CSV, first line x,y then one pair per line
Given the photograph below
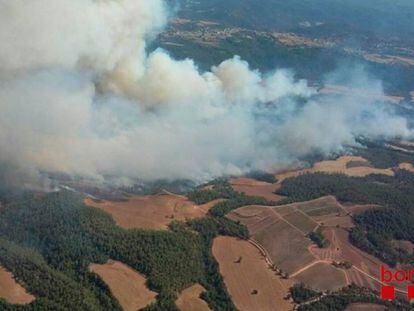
x,y
48,242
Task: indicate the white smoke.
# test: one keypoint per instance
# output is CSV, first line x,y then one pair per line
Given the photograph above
x,y
79,95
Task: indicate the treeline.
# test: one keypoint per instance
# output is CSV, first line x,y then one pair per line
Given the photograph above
x,y
300,293
221,189
53,289
381,156
340,300
376,227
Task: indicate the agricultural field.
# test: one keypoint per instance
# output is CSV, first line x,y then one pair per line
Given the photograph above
x,y
323,276
152,211
253,187
301,221
365,268
289,251
283,230
252,284
189,299
126,285
343,165
11,291
407,166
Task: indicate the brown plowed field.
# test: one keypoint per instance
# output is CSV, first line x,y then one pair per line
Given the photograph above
x,y
152,211
11,291
189,299
126,285
286,244
250,282
256,188
323,276
366,268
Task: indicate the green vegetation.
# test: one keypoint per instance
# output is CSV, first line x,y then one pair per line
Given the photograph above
x,y
340,300
300,293
49,241
70,236
376,227
262,176
221,189
381,156
318,238
209,228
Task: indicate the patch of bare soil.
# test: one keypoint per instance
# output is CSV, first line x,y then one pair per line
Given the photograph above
x,y
11,291
407,166
152,211
253,187
189,299
126,285
339,166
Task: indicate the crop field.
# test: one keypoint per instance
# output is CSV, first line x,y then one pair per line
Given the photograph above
x,y
340,165
189,299
323,276
126,285
301,221
319,207
286,246
253,187
152,211
248,277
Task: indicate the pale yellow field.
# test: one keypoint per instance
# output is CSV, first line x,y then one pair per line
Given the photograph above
x,y
189,299
126,285
152,211
339,166
248,277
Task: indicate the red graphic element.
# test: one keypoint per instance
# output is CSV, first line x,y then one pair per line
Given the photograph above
x,y
387,292
410,290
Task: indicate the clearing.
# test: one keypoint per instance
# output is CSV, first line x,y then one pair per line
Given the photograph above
x,y
126,285
189,299
11,291
339,166
254,187
248,277
407,166
152,211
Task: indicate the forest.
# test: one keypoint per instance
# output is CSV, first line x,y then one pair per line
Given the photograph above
x,y
48,242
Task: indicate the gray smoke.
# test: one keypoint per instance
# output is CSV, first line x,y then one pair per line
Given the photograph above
x,y
80,95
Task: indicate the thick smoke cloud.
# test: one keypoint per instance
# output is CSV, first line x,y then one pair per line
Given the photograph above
x,y
80,95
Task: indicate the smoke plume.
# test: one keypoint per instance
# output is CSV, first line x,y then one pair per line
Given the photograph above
x,y
79,94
